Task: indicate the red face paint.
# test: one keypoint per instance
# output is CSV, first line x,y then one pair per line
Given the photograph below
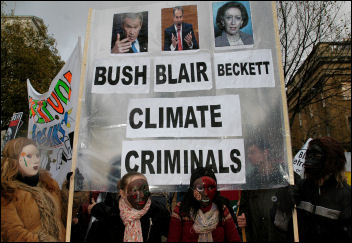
x,y
204,190
209,185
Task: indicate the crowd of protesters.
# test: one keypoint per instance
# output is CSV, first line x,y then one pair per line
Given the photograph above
x,y
34,208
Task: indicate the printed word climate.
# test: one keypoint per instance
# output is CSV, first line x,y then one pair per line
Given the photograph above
x,y
174,117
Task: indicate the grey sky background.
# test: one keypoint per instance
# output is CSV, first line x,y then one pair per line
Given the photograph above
x,y
67,20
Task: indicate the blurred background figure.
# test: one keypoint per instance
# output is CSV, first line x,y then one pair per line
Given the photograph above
x,y
256,207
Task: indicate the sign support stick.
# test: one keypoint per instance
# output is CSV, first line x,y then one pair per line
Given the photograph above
x,y
285,114
78,116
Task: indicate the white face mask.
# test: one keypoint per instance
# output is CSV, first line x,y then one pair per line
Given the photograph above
x,y
29,160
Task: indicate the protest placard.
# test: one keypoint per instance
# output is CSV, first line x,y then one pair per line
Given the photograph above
x,y
205,92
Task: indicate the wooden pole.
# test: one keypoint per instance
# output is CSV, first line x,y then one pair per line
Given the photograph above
x,y
285,113
78,117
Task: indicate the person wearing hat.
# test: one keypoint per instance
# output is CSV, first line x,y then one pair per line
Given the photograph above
x,y
202,215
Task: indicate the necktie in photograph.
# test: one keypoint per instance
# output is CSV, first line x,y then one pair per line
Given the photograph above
x,y
134,49
179,42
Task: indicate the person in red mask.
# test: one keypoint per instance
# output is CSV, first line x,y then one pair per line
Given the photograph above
x,y
202,214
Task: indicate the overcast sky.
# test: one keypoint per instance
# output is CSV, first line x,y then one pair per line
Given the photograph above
x,y
67,21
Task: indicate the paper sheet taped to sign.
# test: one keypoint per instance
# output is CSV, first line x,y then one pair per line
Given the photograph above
x,y
170,162
206,116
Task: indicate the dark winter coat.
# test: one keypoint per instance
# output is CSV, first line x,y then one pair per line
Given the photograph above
x,y
259,207
34,213
324,214
110,228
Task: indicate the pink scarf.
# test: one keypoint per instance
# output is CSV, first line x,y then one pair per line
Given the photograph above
x,y
130,218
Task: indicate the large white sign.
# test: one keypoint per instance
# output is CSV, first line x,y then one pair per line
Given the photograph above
x,y
154,86
171,162
206,116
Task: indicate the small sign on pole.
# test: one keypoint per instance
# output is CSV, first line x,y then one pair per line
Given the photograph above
x,y
300,158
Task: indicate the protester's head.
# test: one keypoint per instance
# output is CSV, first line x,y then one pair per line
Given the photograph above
x,y
231,17
325,156
258,152
134,189
131,25
178,16
203,183
202,193
20,157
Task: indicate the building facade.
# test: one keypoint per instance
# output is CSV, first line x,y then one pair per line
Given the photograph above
x,y
319,96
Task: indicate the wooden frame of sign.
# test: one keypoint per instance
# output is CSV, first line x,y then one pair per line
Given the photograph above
x,y
78,115
285,113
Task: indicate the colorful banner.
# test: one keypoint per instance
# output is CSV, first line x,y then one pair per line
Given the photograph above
x,y
52,117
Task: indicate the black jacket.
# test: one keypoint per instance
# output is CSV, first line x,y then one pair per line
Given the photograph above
x,y
324,214
260,205
110,228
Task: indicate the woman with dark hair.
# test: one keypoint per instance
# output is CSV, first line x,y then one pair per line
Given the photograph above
x,y
31,205
202,215
230,19
135,217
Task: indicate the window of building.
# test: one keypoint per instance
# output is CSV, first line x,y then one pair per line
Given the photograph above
x,y
322,100
310,110
346,90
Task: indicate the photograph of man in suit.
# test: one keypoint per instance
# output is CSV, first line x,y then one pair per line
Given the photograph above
x,y
179,36
129,39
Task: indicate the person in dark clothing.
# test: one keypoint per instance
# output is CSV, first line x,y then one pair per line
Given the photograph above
x,y
256,206
135,217
323,197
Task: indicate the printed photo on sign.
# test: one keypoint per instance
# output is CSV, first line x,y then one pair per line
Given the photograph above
x,y
232,24
130,33
171,162
244,69
182,73
179,27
